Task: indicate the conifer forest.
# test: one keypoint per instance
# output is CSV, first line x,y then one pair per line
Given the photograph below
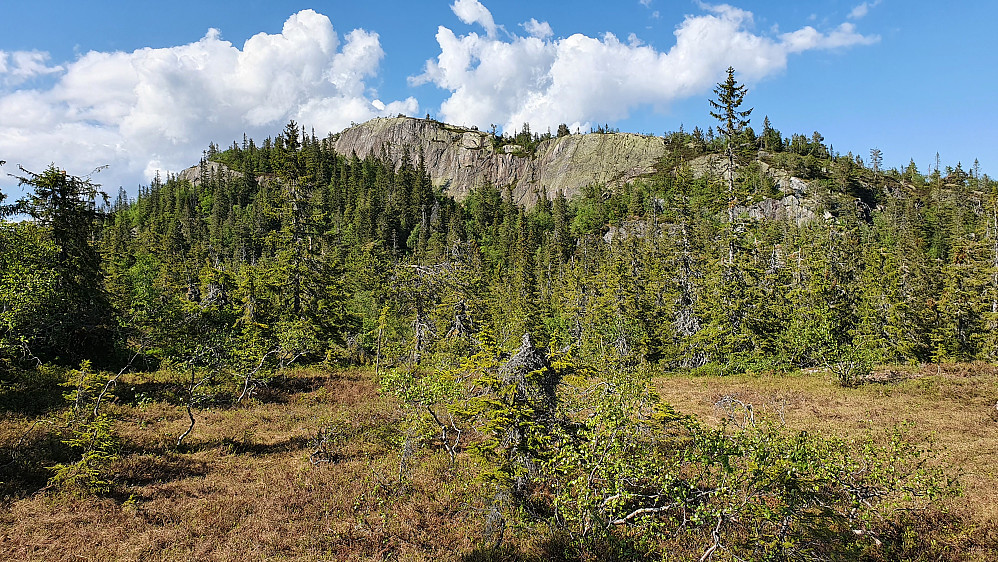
x,y
292,353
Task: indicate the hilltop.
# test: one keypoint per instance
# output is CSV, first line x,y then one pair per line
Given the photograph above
x,y
796,177
459,159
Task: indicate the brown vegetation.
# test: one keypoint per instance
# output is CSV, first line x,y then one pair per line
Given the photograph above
x,y
243,488
248,485
950,406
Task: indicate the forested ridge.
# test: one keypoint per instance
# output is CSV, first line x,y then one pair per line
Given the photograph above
x,y
307,244
534,329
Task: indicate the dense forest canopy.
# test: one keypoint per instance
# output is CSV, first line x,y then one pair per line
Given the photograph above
x,y
293,247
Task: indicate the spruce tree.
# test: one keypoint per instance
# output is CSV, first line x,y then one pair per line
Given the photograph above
x,y
79,324
731,121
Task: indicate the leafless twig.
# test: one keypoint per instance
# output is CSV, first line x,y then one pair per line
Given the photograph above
x,y
249,381
445,429
113,381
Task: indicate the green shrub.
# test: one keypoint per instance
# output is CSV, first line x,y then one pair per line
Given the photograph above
x,y
89,433
597,457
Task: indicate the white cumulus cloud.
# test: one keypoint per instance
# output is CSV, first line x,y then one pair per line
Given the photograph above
x,y
157,109
472,11
582,79
539,29
20,66
809,38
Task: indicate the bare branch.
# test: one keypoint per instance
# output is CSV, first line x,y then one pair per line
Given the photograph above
x,y
644,511
717,539
113,381
250,380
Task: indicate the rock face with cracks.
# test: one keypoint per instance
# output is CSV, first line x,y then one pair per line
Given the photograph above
x,y
459,160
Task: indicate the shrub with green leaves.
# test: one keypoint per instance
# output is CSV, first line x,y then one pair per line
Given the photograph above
x,y
597,457
89,433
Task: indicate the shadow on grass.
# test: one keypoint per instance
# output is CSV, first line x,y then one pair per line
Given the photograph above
x,y
221,393
137,394
291,444
280,389
297,384
560,547
939,535
235,446
225,392
546,552
149,468
23,465
31,393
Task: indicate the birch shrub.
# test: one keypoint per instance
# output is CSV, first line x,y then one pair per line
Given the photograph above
x,y
597,458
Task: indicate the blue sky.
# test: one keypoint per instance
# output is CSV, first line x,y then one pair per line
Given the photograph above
x,y
144,86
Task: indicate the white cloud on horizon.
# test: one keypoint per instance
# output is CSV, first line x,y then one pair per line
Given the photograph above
x,y
156,109
579,79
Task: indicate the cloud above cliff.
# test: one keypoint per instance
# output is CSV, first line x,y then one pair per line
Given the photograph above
x,y
156,109
580,79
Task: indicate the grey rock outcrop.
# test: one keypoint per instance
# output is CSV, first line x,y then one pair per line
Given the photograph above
x,y
791,207
795,205
459,160
206,169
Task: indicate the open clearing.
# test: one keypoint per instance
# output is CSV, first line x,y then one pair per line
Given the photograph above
x,y
244,485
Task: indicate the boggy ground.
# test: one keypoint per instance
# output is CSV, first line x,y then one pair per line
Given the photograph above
x,y
243,486
252,483
950,407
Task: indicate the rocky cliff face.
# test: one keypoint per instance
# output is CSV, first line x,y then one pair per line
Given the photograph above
x,y
797,203
460,160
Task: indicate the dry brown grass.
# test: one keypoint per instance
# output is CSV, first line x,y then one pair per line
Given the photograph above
x,y
242,486
951,406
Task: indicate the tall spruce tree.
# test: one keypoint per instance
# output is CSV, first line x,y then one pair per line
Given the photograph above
x,y
731,121
79,321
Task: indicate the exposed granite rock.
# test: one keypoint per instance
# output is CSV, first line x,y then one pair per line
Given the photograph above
x,y
643,229
459,159
472,141
794,205
790,207
194,173
709,164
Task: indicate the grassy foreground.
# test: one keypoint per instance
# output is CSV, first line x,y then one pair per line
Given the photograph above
x,y
319,465
951,406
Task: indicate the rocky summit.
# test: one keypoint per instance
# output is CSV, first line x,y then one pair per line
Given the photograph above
x,y
459,159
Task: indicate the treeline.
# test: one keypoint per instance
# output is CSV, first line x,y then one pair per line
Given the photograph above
x,y
294,252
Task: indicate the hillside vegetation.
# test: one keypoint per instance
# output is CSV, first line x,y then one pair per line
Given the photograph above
x,y
762,349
